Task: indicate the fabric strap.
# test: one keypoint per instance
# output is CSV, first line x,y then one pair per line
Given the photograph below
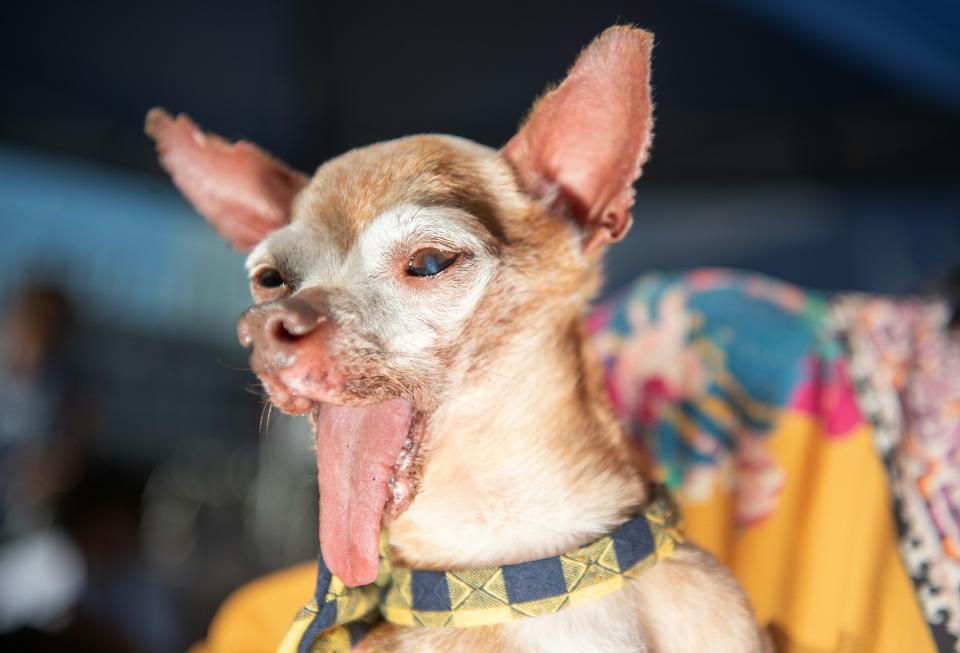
x,y
338,616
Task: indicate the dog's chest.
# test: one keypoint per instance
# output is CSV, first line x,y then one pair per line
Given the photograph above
x,y
600,626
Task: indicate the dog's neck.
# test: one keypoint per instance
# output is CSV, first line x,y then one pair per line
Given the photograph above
x,y
526,461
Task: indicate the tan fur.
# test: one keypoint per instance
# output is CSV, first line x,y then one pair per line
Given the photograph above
x,y
349,191
521,455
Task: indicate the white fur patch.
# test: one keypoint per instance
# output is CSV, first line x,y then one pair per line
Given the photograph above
x,y
415,314
408,316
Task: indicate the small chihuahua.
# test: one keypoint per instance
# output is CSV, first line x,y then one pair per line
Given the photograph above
x,y
421,300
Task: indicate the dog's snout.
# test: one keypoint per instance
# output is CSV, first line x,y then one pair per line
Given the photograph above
x,y
296,319
291,340
244,334
278,323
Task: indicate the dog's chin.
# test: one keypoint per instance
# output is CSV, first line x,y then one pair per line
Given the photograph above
x,y
403,481
368,461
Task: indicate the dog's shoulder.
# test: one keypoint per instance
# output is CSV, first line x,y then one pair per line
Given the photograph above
x,y
690,602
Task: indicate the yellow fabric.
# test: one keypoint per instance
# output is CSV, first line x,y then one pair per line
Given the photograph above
x,y
823,570
255,618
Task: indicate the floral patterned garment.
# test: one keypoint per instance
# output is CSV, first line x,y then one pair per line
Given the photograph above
x,y
908,379
700,365
703,366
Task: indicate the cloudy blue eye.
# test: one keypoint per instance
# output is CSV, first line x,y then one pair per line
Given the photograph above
x,y
430,261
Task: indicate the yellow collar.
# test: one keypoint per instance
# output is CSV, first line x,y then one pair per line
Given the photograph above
x,y
338,616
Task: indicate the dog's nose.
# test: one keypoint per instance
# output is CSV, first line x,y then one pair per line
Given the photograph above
x,y
282,322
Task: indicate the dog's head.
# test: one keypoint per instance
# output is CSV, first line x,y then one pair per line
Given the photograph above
x,y
384,280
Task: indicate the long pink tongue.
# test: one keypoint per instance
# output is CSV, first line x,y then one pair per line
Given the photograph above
x,y
356,450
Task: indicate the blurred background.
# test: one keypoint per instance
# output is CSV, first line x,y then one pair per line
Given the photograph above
x,y
141,476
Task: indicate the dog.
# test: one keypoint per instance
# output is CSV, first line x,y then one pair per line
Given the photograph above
x,y
421,300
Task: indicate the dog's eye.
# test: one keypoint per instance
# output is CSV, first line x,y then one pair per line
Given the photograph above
x,y
269,278
430,261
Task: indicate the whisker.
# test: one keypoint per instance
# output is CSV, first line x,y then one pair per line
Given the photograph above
x,y
231,367
269,415
254,388
265,415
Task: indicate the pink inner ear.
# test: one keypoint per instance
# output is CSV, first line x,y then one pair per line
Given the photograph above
x,y
242,191
585,142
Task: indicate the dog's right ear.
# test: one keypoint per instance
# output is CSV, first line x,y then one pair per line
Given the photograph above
x,y
242,191
584,143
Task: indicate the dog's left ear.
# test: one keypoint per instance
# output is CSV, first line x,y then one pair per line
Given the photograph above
x,y
585,141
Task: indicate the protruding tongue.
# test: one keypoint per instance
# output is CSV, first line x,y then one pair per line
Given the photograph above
x,y
356,451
